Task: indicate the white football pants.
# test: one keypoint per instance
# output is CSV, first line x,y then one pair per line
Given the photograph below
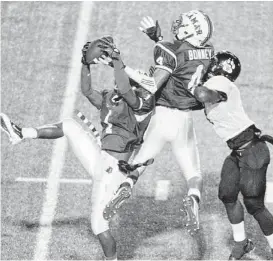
x,y
174,126
102,167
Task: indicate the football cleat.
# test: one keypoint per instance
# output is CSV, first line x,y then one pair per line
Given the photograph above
x,y
191,208
122,194
240,249
12,130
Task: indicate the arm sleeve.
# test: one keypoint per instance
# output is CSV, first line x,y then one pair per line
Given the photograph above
x,y
94,96
219,83
124,87
164,58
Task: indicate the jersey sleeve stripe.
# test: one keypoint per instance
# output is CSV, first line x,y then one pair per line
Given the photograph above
x,y
168,51
164,68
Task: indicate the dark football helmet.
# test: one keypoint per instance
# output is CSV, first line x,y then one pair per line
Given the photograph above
x,y
224,63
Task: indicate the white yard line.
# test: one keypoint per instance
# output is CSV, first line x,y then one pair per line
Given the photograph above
x,y
43,180
162,189
58,155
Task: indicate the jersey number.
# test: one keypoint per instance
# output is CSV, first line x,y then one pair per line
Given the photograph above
x,y
196,77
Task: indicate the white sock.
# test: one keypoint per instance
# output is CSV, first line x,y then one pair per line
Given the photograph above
x,y
194,191
239,231
29,133
270,240
130,181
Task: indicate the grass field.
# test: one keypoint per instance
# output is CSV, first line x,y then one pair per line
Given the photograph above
x,y
37,74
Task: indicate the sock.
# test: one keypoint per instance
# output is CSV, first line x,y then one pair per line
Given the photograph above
x,y
29,133
195,192
130,181
239,231
270,240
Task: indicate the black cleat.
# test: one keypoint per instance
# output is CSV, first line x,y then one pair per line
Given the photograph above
x,y
240,249
122,194
12,130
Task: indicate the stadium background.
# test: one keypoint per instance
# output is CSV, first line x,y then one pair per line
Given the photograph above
x,y
36,45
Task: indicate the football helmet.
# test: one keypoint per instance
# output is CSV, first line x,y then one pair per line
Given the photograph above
x,y
224,63
195,27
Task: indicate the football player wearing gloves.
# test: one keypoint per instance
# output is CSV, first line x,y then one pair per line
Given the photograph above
x,y
179,65
121,134
244,170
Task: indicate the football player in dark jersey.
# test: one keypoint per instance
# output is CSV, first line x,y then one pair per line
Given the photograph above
x,y
179,67
244,170
124,117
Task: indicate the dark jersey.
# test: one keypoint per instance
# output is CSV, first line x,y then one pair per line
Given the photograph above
x,y
120,128
187,65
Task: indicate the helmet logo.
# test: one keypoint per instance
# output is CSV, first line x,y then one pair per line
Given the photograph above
x,y
228,65
195,23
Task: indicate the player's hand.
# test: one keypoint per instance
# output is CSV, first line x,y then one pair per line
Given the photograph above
x,y
84,50
125,167
105,60
110,48
151,28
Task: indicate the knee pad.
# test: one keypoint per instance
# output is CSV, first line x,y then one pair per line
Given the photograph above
x,y
254,205
98,223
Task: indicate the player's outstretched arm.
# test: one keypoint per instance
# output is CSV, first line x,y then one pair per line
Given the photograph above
x,y
94,96
121,78
124,87
206,95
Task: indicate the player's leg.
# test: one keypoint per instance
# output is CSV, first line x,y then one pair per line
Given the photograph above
x,y
104,187
154,141
253,186
82,144
229,188
154,138
185,150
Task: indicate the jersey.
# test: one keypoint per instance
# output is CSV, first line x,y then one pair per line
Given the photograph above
x,y
228,118
186,65
120,128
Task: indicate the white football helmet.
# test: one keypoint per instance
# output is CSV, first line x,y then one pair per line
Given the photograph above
x,y
195,27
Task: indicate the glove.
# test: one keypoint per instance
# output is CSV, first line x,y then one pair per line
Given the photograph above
x,y
151,28
92,51
104,60
110,48
125,167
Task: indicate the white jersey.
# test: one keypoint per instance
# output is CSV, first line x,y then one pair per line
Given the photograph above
x,y
228,118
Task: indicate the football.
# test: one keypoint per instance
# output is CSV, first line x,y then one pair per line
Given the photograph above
x,y
94,51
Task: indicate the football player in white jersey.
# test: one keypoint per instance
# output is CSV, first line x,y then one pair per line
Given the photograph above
x,y
244,170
